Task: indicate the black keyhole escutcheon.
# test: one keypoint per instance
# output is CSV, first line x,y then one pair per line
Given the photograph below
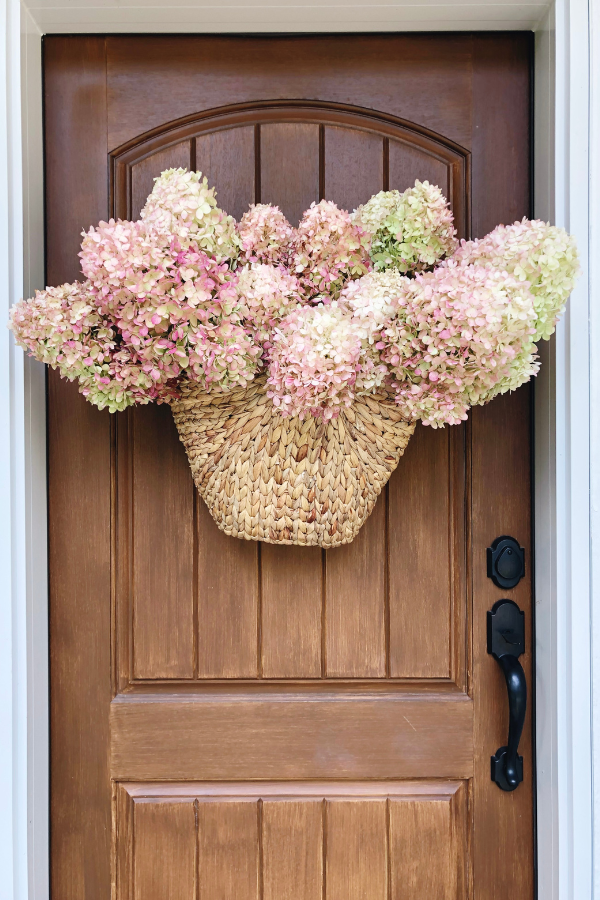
x,y
505,562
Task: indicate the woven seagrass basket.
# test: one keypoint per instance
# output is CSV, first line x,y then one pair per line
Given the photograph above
x,y
288,481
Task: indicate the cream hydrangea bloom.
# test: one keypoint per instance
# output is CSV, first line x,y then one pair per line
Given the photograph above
x,y
461,335
182,205
535,252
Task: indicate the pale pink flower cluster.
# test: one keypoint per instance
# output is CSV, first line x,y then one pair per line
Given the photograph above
x,y
177,308
313,362
372,302
535,252
184,293
265,235
460,335
266,293
329,249
60,327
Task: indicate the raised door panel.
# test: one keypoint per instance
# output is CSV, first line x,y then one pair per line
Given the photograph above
x,y
230,610
389,841
238,735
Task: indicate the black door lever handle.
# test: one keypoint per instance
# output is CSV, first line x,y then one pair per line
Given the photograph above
x,y
506,642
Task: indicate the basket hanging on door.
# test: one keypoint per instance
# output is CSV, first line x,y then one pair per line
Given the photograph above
x,y
297,361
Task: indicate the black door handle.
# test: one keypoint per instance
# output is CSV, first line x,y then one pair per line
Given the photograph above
x,y
506,642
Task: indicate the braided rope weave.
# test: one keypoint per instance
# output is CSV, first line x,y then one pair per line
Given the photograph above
x,y
288,481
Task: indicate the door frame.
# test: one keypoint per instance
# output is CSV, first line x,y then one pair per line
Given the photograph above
x,y
567,517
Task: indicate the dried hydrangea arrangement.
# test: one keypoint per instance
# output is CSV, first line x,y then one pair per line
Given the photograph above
x,y
339,334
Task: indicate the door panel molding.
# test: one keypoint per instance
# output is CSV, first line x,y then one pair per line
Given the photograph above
x,y
294,841
437,147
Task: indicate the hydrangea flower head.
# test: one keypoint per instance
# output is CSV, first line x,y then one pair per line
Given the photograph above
x,y
266,294
177,307
182,205
313,362
329,249
409,231
535,252
63,328
373,300
52,319
265,235
121,258
462,334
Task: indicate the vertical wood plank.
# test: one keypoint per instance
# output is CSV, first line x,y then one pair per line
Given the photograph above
x,y
292,590
228,857
164,837
146,170
501,130
75,116
227,602
227,160
79,493
353,166
420,564
428,848
289,165
407,164
292,843
501,476
163,549
504,462
355,602
356,854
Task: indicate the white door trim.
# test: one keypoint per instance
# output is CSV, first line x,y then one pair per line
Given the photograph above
x,y
563,455
567,444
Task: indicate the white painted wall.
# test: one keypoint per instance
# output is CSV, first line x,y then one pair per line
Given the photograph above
x,y
567,187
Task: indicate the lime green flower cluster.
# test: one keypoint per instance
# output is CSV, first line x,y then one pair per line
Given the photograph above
x,y
409,232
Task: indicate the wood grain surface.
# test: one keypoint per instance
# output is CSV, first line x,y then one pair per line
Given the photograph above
x,y
396,840
240,737
237,720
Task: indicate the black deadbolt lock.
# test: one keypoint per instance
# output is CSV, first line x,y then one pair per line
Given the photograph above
x,y
505,562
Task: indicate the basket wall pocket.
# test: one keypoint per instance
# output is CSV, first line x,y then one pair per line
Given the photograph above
x,y
298,360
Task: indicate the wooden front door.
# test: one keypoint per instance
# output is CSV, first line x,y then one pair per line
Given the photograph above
x,y
240,721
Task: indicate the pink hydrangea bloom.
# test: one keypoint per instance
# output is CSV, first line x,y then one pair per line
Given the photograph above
x,y
63,328
461,334
266,294
182,205
265,235
53,318
409,232
328,250
178,308
372,301
542,255
313,362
